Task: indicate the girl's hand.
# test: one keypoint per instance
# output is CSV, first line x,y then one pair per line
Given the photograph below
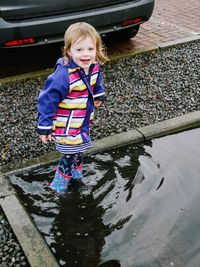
x,y
45,138
97,103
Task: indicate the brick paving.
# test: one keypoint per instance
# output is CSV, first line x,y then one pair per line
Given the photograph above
x,y
171,20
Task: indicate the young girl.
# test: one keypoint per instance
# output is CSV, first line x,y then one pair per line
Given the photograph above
x,y
66,104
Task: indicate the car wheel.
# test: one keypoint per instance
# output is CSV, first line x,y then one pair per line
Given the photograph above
x,y
124,34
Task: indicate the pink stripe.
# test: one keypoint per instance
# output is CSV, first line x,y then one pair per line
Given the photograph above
x,y
63,175
60,131
78,94
63,112
73,77
80,113
74,131
80,167
95,69
66,112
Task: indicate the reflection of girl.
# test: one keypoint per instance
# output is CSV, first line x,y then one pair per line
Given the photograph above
x,y
110,263
67,102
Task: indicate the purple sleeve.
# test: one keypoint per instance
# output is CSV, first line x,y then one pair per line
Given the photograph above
x,y
54,91
99,90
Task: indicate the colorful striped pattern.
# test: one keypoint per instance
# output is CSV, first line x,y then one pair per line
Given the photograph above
x,y
71,113
67,149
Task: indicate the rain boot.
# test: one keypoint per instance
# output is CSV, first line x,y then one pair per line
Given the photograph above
x,y
77,173
60,181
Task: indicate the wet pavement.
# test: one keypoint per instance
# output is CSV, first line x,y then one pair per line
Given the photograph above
x,y
138,206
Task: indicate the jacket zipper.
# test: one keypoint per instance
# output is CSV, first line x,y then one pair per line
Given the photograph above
x,y
68,123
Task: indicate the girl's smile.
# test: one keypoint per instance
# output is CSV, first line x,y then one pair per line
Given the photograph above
x,y
83,52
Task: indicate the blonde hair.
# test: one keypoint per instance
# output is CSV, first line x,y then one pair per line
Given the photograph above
x,y
82,30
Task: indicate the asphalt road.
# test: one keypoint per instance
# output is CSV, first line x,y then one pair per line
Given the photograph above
x,y
23,60
15,61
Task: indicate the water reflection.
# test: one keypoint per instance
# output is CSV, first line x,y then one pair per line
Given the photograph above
x,y
110,263
138,207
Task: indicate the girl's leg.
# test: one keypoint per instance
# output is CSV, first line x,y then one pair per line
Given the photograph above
x,y
77,168
63,173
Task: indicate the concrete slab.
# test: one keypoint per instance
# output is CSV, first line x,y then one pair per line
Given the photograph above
x,y
171,126
117,140
178,41
6,188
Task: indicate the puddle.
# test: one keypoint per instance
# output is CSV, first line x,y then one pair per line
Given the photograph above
x,y
138,207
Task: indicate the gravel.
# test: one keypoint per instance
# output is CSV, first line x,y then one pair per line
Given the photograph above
x,y
10,251
142,90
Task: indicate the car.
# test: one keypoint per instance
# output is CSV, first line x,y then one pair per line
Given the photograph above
x,y
36,22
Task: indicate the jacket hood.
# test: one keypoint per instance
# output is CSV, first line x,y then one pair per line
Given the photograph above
x,y
64,61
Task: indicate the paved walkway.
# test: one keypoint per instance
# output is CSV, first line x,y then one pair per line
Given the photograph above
x,y
171,20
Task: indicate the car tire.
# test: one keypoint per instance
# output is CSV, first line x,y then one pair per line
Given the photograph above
x,y
125,34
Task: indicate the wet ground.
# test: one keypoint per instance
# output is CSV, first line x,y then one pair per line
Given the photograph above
x,y
139,206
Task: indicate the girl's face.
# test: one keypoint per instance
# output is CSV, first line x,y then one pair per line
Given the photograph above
x,y
83,52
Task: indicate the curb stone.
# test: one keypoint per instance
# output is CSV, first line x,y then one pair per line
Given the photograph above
x,y
179,41
171,126
31,241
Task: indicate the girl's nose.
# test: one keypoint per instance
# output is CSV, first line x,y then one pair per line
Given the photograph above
x,y
86,52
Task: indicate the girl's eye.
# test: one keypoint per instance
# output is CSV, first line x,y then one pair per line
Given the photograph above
x,y
78,49
91,49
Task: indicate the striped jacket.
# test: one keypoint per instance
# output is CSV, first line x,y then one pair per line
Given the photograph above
x,y
66,103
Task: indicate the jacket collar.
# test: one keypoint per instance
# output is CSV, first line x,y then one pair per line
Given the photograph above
x,y
73,65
